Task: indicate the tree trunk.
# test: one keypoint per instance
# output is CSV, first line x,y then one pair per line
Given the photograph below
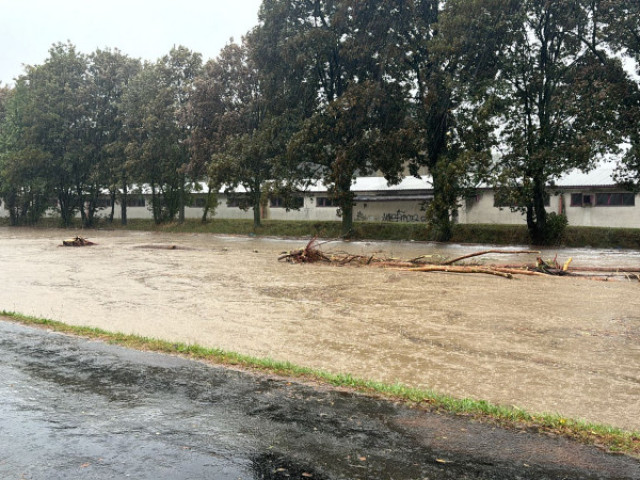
x,y
155,206
123,204
347,219
257,219
440,209
345,202
537,214
181,206
112,196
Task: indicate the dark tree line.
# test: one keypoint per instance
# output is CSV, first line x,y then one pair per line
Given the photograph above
x,y
510,93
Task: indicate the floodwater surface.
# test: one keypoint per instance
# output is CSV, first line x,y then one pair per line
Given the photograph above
x,y
561,345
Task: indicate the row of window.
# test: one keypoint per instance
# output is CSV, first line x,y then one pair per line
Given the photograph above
x,y
279,202
603,199
620,199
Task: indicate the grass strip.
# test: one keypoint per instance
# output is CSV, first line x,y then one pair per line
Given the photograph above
x,y
612,439
594,237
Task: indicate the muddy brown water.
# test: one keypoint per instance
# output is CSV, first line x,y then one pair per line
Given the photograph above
x,y
559,345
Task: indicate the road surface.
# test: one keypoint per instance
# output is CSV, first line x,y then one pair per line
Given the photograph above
x,y
78,409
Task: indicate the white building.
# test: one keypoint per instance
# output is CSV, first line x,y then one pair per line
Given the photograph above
x,y
588,199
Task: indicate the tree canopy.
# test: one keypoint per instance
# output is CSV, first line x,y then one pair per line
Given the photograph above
x,y
510,93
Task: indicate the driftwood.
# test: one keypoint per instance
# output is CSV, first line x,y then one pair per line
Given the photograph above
x,y
460,269
311,254
485,252
77,241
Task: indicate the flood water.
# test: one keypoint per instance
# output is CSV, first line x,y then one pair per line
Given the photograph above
x,y
562,345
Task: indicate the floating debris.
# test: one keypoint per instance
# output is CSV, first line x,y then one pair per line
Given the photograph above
x,y
311,253
77,241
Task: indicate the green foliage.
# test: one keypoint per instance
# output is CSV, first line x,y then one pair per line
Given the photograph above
x,y
108,75
556,82
513,93
351,98
555,227
157,150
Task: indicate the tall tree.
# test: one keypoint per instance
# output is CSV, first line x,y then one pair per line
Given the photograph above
x,y
357,106
24,185
619,22
228,110
158,153
559,104
109,73
445,53
51,121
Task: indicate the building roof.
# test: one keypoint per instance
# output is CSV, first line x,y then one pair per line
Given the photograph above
x,y
601,176
379,184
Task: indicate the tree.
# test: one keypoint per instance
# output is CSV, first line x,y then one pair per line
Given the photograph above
x,y
559,94
23,182
157,149
227,110
49,125
356,106
445,53
109,72
620,26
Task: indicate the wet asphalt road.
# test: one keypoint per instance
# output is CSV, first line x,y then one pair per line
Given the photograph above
x,y
77,409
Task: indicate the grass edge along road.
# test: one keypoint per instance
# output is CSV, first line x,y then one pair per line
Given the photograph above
x,y
611,439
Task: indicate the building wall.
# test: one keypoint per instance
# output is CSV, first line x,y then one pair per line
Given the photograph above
x,y
482,210
602,215
478,210
395,211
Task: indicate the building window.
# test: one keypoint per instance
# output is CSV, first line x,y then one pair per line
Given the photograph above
x,y
135,202
200,202
615,199
279,202
325,202
276,202
103,202
603,199
239,202
501,202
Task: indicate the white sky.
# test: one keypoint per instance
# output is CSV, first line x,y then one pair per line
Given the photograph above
x,y
145,29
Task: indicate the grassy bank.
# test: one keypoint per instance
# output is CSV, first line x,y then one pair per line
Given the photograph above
x,y
595,237
613,439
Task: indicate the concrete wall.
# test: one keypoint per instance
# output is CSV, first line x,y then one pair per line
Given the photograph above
x,y
603,216
395,211
482,210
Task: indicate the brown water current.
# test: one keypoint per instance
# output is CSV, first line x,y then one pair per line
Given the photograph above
x,y
559,345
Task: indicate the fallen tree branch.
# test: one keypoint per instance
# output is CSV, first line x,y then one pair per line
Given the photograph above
x,y
485,252
459,269
311,254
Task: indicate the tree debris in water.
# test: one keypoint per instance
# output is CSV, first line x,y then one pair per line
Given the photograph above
x,y
77,241
312,253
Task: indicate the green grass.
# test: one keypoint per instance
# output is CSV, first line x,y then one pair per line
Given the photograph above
x,y
610,438
595,237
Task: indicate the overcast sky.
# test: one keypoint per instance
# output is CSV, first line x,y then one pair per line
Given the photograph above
x,y
145,29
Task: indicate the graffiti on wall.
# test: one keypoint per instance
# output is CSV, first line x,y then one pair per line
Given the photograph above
x,y
400,216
